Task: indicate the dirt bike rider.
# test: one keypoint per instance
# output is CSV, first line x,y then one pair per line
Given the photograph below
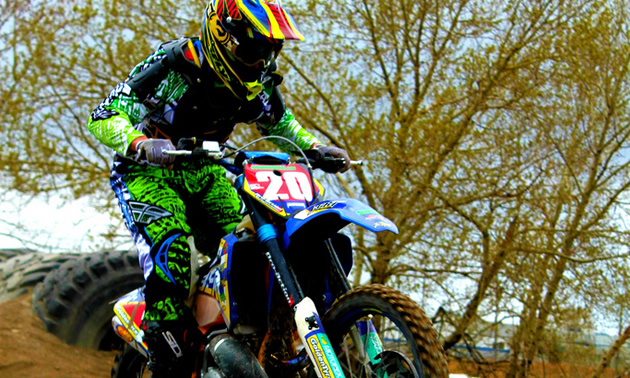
x,y
192,87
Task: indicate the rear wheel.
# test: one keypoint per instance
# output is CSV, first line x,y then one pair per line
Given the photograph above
x,y
130,363
410,347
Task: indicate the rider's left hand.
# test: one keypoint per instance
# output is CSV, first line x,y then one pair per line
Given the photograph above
x,y
335,152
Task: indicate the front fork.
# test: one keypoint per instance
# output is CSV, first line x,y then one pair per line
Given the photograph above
x,y
308,323
307,320
315,340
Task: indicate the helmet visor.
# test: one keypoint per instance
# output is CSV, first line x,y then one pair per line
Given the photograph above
x,y
254,53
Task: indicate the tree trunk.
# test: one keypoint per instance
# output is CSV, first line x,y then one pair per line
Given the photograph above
x,y
612,351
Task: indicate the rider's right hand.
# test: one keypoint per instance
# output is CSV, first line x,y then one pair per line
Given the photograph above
x,y
152,151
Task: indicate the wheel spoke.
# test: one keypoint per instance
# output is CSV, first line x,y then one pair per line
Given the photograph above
x,y
403,334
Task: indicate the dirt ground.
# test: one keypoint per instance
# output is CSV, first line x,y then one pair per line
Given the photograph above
x,y
27,350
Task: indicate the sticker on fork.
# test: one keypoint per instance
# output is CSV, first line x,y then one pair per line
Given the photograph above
x,y
324,354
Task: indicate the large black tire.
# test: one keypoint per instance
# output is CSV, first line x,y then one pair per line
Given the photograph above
x,y
75,301
409,331
7,253
21,270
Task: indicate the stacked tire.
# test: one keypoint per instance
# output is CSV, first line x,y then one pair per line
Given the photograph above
x,y
22,269
76,299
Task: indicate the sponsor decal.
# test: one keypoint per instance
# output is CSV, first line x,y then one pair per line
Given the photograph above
x,y
211,283
319,207
273,167
289,205
366,211
313,343
170,340
101,113
268,203
280,280
382,224
144,213
374,216
323,206
302,215
223,252
324,355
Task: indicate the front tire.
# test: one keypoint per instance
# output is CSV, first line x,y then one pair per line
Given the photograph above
x,y
410,343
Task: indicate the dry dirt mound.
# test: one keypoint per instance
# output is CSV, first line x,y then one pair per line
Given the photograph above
x,y
27,350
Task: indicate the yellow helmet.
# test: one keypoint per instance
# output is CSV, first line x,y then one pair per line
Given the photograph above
x,y
241,38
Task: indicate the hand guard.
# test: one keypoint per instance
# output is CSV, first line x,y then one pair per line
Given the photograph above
x,y
335,152
152,151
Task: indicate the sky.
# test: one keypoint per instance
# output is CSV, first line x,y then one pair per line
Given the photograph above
x,y
70,227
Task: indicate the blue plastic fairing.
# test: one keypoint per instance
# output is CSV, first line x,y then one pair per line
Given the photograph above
x,y
331,216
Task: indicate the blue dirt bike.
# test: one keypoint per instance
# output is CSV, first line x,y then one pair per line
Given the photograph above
x,y
287,308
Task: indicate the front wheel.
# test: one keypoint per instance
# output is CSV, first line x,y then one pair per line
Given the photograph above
x,y
407,344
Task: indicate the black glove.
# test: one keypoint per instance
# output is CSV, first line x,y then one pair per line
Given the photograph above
x,y
152,151
335,152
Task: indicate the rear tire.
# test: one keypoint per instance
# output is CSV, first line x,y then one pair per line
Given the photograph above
x,y
75,301
130,363
405,332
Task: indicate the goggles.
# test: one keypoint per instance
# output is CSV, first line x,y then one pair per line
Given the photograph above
x,y
253,52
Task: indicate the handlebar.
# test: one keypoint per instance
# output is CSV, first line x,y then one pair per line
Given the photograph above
x,y
211,149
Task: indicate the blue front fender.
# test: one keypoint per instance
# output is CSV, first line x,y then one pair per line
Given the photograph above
x,y
327,217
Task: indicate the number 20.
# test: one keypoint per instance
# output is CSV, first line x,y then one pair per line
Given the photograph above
x,y
297,182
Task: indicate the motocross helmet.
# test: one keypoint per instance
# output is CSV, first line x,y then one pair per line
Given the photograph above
x,y
242,38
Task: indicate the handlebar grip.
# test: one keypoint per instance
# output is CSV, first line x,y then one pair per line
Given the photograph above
x,y
199,152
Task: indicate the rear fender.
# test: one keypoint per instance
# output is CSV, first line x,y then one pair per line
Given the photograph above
x,y
327,217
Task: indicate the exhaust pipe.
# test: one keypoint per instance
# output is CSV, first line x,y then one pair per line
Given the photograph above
x,y
233,358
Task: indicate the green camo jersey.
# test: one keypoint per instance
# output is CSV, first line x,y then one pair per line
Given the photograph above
x,y
184,98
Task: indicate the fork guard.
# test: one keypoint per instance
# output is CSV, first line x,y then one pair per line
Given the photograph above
x,y
328,217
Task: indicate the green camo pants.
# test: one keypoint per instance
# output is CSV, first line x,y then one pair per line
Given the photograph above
x,y
162,208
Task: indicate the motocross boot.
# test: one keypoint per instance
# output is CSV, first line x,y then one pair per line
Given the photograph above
x,y
173,346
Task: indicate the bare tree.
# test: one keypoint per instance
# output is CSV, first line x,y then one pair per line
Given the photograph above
x,y
495,140
494,134
58,61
